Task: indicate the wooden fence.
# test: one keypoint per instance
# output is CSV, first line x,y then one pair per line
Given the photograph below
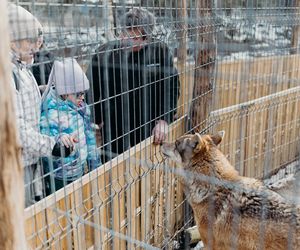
x,y
134,197
244,80
262,134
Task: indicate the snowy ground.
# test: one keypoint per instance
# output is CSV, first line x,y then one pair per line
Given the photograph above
x,y
242,35
286,182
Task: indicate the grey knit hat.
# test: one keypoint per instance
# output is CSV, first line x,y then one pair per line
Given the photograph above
x,y
139,18
68,77
22,24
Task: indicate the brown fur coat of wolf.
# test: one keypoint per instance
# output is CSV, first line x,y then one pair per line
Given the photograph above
x,y
231,211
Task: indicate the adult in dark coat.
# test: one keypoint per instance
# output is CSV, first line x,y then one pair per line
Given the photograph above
x,y
135,86
43,61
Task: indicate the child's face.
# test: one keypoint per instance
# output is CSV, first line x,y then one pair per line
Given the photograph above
x,y
77,98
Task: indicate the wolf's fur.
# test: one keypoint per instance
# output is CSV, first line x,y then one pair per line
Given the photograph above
x,y
231,211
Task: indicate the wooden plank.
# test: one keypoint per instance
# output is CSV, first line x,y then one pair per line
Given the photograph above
x,y
30,232
293,129
133,196
118,203
88,214
77,211
158,205
146,195
250,143
260,140
59,225
98,234
170,205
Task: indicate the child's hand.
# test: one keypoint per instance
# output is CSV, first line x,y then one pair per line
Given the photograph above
x,y
68,140
64,145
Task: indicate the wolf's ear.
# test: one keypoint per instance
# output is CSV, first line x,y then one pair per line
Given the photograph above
x,y
196,141
218,137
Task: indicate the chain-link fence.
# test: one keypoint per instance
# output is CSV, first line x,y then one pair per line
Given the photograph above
x,y
101,84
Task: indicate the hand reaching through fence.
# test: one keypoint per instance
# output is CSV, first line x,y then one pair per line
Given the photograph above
x,y
160,131
64,146
68,140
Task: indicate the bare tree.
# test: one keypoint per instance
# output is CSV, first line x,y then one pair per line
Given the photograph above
x,y
12,234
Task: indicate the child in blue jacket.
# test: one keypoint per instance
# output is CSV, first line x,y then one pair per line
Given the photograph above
x,y
65,112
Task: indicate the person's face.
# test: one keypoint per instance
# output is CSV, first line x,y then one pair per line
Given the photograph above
x,y
77,98
26,48
137,38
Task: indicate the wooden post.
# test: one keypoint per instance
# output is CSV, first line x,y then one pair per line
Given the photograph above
x,y
296,29
108,19
182,56
204,65
12,229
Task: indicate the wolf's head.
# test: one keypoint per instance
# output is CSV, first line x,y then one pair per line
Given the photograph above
x,y
188,147
200,154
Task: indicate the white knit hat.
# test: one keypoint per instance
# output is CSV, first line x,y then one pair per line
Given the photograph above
x,y
22,24
68,77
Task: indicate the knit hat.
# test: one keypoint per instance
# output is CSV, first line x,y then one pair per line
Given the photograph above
x,y
68,77
22,24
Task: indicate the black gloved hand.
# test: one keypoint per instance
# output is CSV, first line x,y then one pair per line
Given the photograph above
x,y
61,150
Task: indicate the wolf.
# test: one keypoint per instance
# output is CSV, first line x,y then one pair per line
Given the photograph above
x,y
231,211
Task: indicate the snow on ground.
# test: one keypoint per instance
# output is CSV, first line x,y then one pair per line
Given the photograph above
x,y
83,40
245,34
199,246
286,182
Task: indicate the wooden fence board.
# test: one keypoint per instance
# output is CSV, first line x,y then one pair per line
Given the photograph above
x,y
268,116
244,80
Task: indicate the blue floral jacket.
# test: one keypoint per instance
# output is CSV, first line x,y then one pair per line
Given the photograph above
x,y
62,116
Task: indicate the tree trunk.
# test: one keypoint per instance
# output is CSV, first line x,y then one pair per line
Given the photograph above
x,y
204,65
12,234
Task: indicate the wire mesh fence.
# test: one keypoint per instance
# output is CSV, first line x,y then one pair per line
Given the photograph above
x,y
101,84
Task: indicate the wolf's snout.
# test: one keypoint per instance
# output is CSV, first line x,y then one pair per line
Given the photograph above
x,y
163,149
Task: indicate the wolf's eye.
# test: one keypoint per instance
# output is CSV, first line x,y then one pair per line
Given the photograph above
x,y
177,144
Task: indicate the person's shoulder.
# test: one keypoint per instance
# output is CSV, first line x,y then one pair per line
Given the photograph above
x,y
157,44
105,49
108,46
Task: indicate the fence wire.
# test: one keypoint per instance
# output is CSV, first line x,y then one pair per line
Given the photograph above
x,y
101,84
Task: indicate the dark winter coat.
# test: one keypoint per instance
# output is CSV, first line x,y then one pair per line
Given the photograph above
x,y
43,61
132,90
